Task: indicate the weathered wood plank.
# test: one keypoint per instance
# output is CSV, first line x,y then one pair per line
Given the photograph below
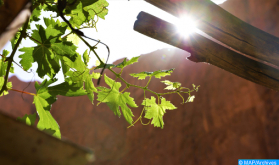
x,y
225,27
205,50
22,144
12,16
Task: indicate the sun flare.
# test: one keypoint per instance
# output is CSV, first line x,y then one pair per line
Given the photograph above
x,y
186,25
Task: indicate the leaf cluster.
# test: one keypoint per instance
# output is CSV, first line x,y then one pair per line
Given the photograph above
x,y
56,51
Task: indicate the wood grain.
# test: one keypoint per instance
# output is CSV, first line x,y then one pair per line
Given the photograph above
x,y
12,16
22,144
225,27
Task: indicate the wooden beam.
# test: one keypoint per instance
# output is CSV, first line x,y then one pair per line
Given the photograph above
x,y
205,50
22,144
225,27
12,16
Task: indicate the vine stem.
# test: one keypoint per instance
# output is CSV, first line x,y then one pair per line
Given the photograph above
x,y
137,119
11,57
33,39
144,88
91,48
22,92
148,81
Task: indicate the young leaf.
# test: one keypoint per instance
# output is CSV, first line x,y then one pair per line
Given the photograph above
x,y
190,99
115,99
86,57
156,111
157,74
171,85
4,64
125,63
196,88
162,73
28,119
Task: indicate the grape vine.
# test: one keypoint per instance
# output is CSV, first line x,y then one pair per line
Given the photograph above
x,y
55,51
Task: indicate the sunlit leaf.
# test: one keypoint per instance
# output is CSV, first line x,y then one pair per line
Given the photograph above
x,y
156,111
171,85
156,74
125,63
115,99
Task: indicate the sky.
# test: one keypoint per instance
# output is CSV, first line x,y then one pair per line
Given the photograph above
x,y
116,31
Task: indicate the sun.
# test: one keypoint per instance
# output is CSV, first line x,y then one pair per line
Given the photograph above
x,y
186,25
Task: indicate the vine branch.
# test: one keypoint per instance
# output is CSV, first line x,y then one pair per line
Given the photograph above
x,y
10,59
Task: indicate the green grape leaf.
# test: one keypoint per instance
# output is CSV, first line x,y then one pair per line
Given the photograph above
x,y
96,75
48,51
72,4
156,111
57,25
82,74
171,85
28,119
66,89
82,11
125,63
35,14
162,73
98,8
43,101
73,38
78,65
115,99
43,104
9,85
90,88
46,96
77,16
157,74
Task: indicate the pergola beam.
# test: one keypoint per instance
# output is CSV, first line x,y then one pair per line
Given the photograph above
x,y
12,16
203,49
225,27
